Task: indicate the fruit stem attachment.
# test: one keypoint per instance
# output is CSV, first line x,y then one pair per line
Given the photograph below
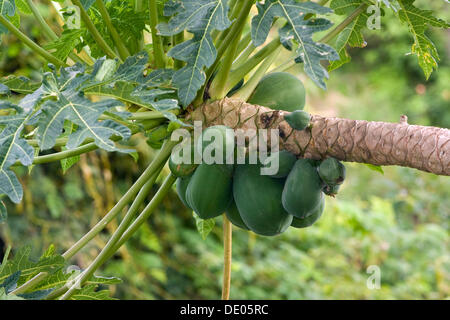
x,y
227,254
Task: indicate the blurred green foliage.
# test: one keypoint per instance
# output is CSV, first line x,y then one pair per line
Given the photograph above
x,y
398,221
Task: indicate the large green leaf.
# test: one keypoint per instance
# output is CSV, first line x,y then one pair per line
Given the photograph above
x,y
310,53
28,268
352,34
13,148
418,21
199,17
7,10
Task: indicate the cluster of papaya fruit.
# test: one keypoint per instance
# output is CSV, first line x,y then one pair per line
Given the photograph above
x,y
265,204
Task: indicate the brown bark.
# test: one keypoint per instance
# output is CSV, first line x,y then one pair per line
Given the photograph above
x,y
377,143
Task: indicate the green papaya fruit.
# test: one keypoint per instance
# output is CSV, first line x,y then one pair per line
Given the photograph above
x,y
209,192
332,171
218,139
302,191
331,191
298,120
286,161
309,221
181,167
182,184
156,136
258,199
235,217
279,91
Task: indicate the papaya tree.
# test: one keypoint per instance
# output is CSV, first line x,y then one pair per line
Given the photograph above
x,y
115,69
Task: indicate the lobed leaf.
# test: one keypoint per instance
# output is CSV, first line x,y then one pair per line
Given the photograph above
x,y
310,53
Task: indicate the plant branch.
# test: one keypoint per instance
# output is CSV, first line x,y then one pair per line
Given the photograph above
x,y
121,48
110,247
160,159
377,143
30,43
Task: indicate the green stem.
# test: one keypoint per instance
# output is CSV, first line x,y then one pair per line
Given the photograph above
x,y
50,34
227,256
30,43
234,31
94,32
158,49
179,38
239,73
160,159
145,214
123,51
120,235
329,36
246,91
138,7
218,88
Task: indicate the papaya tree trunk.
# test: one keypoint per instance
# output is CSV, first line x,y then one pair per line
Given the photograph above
x,y
378,143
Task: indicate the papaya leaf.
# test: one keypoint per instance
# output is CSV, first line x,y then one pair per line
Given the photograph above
x,y
199,17
375,168
89,293
8,11
352,34
4,90
310,53
13,148
418,21
28,268
10,283
64,45
204,227
23,7
5,296
20,84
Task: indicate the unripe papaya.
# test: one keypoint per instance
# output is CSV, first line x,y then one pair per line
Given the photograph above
x,y
332,171
181,167
331,190
298,120
302,191
235,217
218,139
258,200
279,91
209,192
286,161
309,221
182,184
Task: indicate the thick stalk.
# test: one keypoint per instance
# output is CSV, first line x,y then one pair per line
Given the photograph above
x,y
94,32
227,256
120,232
120,45
138,7
378,143
160,159
30,43
158,49
246,91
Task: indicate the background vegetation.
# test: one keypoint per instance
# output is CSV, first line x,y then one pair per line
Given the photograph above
x,y
398,221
